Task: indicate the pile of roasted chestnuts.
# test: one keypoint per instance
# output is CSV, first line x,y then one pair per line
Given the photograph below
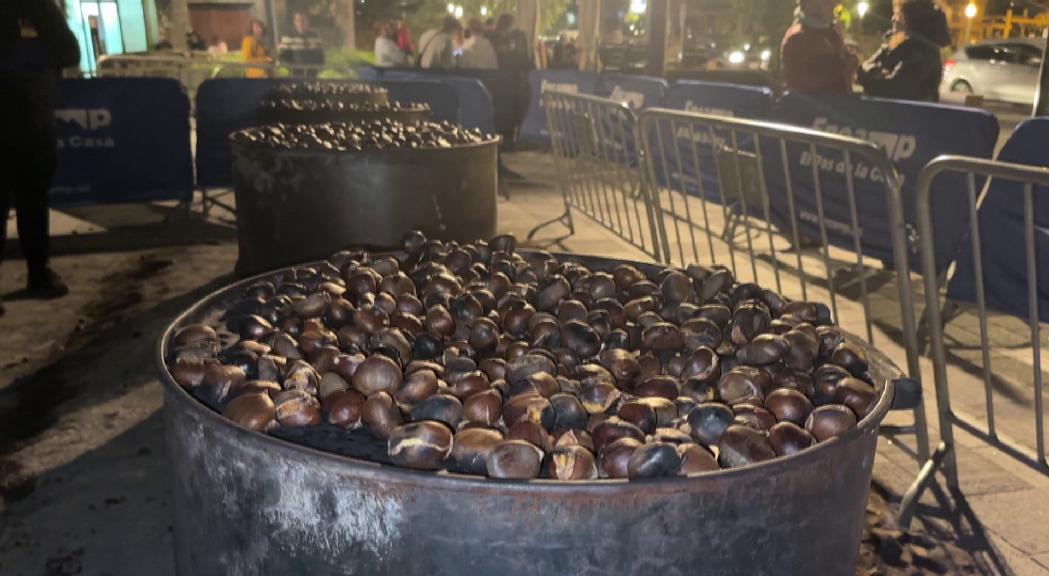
x,y
347,92
285,105
382,134
479,359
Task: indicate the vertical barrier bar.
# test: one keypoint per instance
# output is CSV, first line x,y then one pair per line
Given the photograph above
x,y
670,194
604,116
932,309
818,189
795,237
1032,302
765,206
640,184
857,246
684,193
702,190
743,205
715,146
981,303
559,153
623,179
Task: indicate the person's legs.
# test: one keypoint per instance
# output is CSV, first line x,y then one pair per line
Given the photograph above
x,y
5,209
31,181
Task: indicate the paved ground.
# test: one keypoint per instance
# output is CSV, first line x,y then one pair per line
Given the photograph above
x,y
83,465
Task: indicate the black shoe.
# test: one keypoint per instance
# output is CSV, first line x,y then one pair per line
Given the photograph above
x,y
46,285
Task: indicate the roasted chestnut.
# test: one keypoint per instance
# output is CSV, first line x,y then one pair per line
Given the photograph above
x,y
377,374
470,450
439,407
254,411
381,415
297,408
830,421
344,408
708,421
571,463
696,459
614,459
421,445
790,405
654,460
743,445
788,438
514,460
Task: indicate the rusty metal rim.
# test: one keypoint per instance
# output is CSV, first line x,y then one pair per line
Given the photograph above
x,y
539,487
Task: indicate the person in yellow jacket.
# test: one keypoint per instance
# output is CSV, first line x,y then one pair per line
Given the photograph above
x,y
253,50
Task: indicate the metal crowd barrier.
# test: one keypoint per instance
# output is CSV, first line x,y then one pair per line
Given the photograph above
x,y
687,214
597,152
950,416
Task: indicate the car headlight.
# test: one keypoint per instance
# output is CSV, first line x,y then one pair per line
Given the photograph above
x,y
736,57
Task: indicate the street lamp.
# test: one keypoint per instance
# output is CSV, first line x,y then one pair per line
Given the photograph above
x,y
970,13
458,11
451,8
484,10
862,8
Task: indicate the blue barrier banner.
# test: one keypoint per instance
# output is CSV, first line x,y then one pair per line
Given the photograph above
x,y
912,134
442,98
475,102
692,166
1001,220
574,81
639,92
227,105
122,140
718,99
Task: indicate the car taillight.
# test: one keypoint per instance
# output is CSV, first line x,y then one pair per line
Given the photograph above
x,y
948,65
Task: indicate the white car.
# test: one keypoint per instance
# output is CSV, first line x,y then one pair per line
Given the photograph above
x,y
1005,70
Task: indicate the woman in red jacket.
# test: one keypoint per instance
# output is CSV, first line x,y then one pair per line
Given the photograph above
x,y
813,56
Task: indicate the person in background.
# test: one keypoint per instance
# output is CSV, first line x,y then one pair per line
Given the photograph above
x,y
387,53
217,47
437,46
478,51
194,42
35,44
515,59
813,56
302,47
254,51
908,64
404,38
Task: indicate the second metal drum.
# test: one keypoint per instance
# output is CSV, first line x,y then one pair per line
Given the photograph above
x,y
294,206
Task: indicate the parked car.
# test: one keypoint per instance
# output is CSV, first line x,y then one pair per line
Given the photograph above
x,y
1005,70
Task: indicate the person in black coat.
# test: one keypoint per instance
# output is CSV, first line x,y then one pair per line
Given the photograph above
x,y
908,65
35,43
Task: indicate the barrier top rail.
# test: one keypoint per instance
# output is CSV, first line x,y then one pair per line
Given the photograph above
x,y
1029,177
